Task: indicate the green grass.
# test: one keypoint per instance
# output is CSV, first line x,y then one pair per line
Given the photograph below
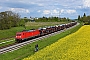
x,y
36,25
4,40
7,43
29,49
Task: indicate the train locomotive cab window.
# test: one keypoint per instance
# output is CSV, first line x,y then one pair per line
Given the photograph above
x,y
18,34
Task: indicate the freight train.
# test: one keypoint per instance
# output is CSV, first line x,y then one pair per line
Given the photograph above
x,y
26,34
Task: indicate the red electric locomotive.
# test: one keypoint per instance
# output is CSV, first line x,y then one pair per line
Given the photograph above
x,y
26,34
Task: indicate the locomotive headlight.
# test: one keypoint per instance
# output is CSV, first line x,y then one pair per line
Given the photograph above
x,y
20,36
16,36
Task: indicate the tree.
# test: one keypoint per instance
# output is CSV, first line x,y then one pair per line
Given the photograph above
x,y
79,17
22,23
84,15
85,19
9,19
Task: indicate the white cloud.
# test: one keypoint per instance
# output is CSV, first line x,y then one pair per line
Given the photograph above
x,y
62,10
86,3
39,11
46,12
40,5
55,11
19,10
51,12
79,7
0,7
26,10
70,11
67,11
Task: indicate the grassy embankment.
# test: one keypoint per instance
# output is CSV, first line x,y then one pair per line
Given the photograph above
x,y
29,49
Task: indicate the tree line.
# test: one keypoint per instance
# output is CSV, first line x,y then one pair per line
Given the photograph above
x,y
52,19
9,19
85,19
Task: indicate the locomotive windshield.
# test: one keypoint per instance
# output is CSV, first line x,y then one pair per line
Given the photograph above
x,y
18,34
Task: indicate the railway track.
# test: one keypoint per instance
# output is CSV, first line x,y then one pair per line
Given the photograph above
x,y
19,45
8,45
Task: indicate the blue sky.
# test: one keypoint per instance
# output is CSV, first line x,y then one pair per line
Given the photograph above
x,y
47,8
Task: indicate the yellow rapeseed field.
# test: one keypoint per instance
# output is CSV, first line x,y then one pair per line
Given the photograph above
x,y
75,46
